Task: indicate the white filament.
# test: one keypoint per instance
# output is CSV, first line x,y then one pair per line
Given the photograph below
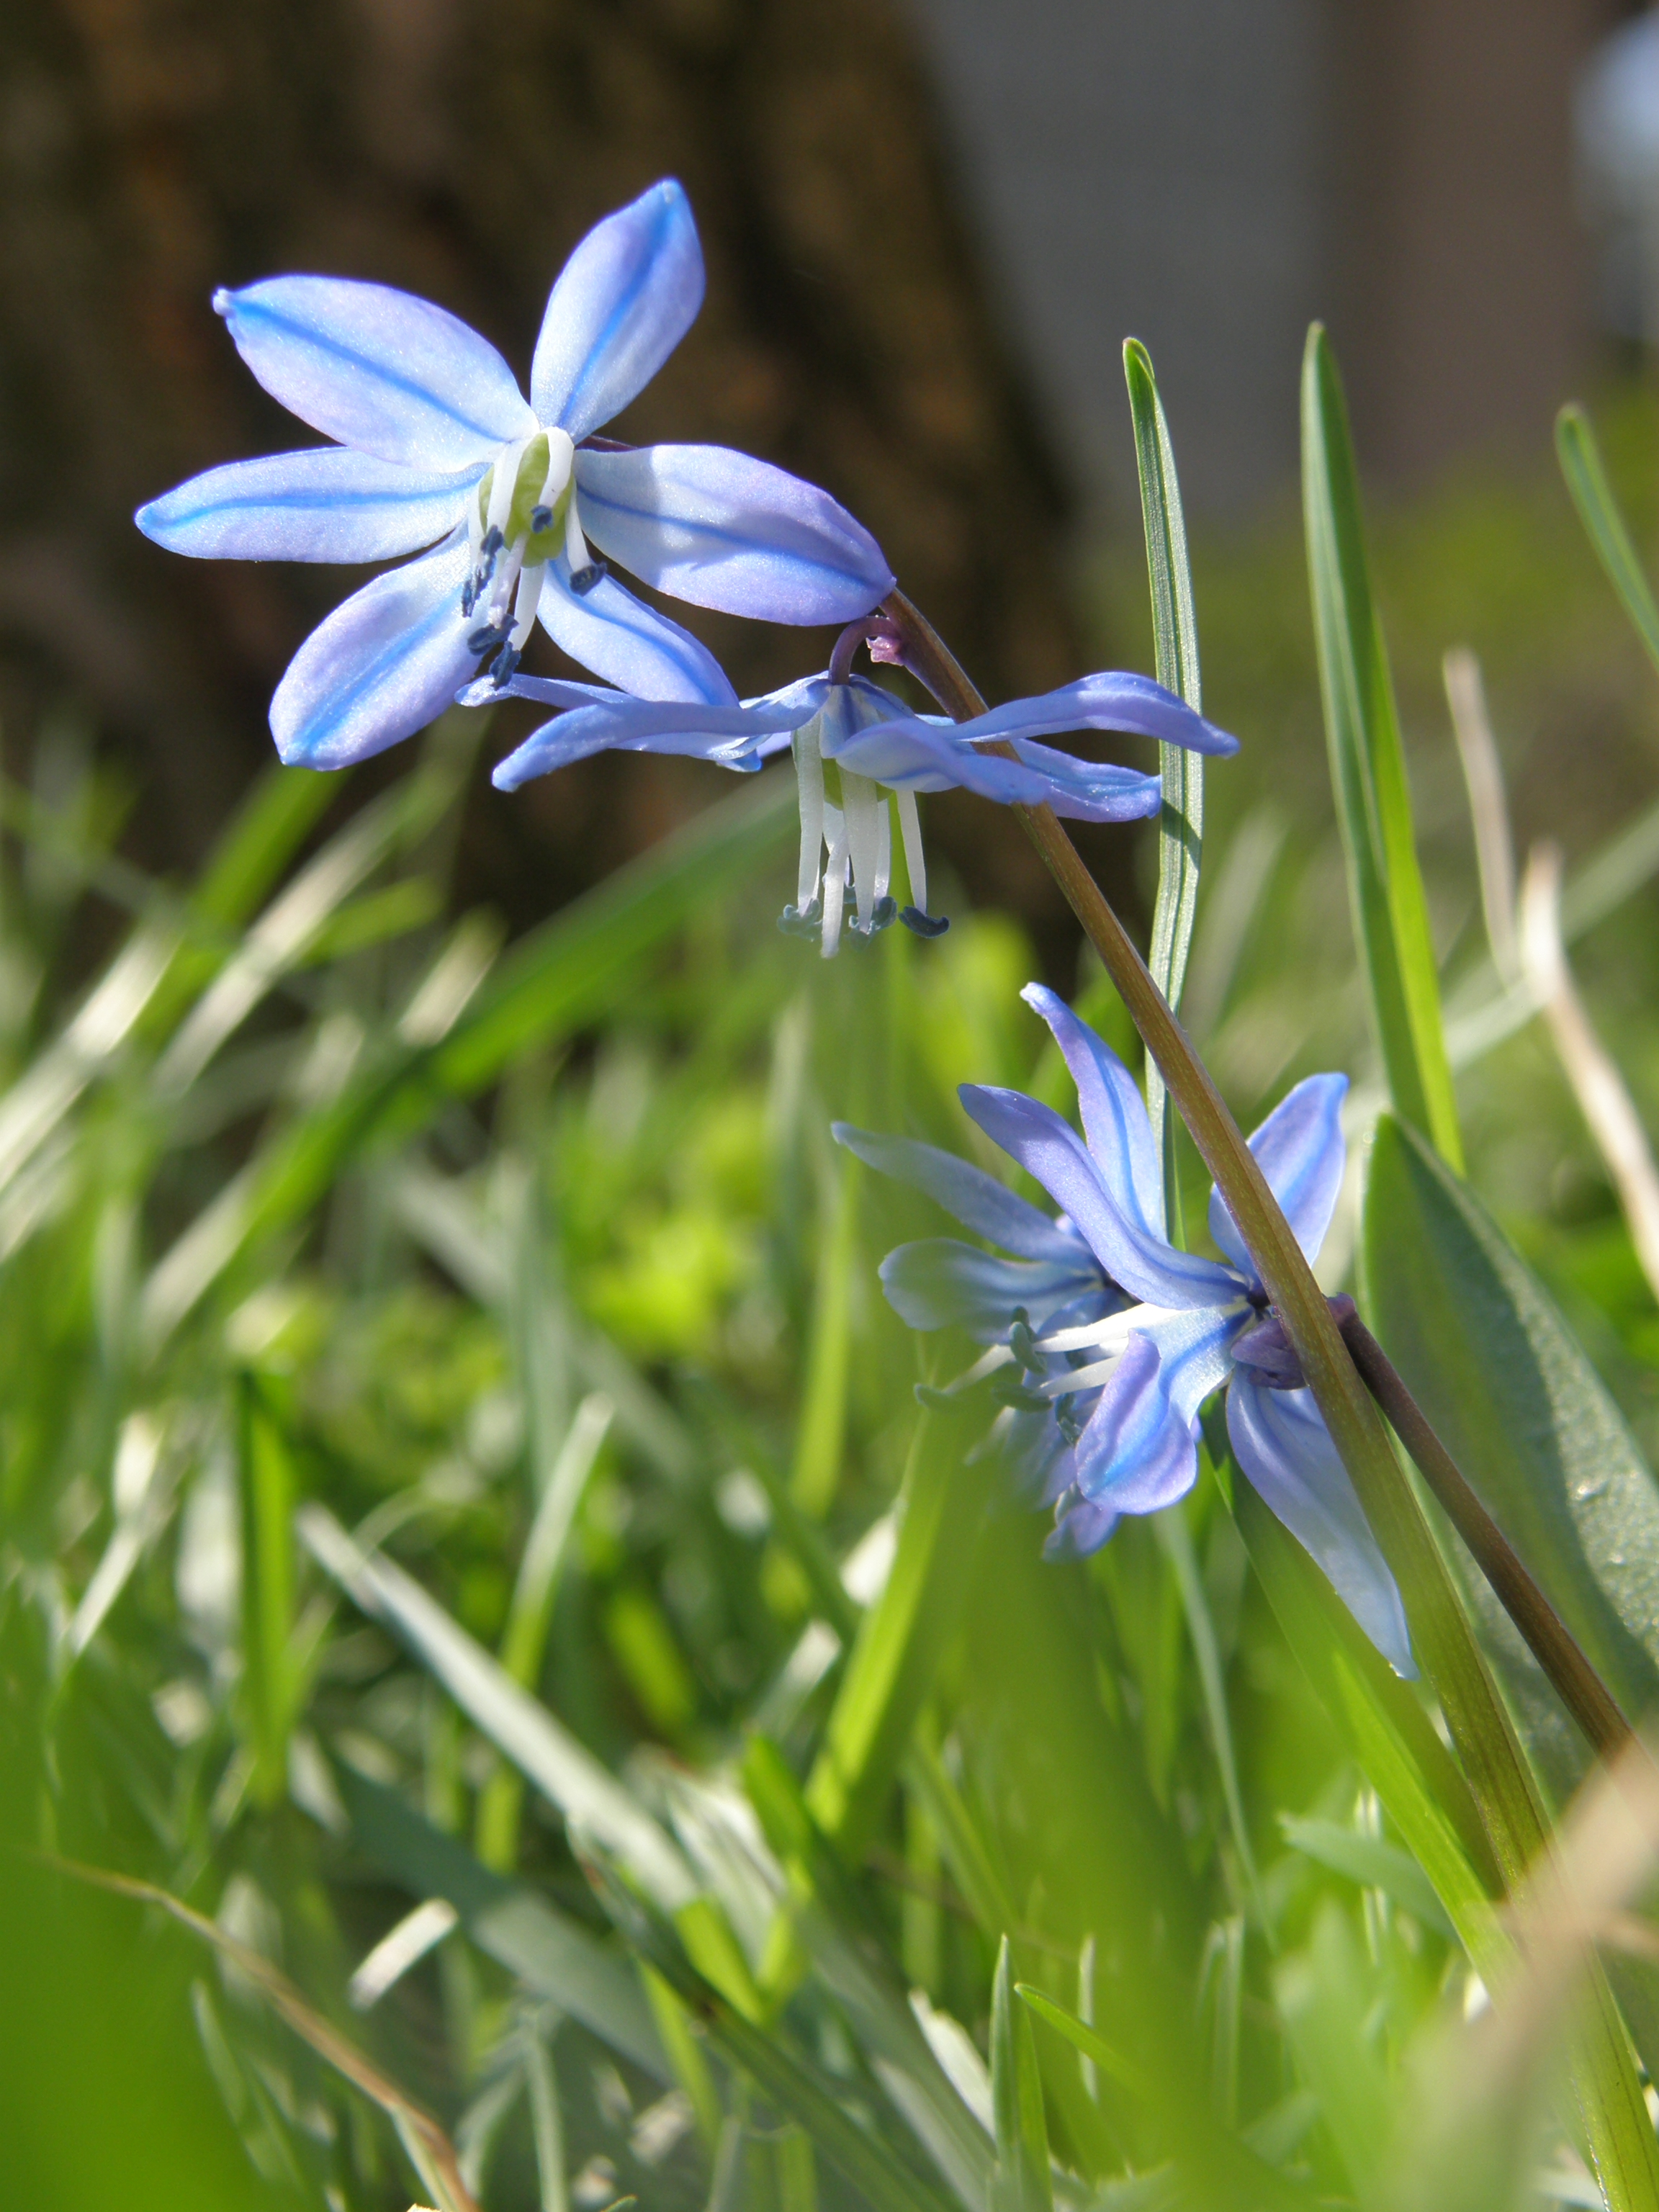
x,y
809,776
861,803
910,828
528,598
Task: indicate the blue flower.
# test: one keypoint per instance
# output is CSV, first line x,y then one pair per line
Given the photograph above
x,y
436,443
854,745
1119,1336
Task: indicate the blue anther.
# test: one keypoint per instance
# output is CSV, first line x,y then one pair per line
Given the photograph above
x,y
481,639
506,666
541,518
582,581
925,924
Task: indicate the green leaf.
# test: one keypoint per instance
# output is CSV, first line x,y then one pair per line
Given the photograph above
x,y
1022,2183
1386,1730
554,1956
1592,494
545,1751
1370,1863
1175,647
1089,2040
267,1487
1498,1371
890,1671
1324,1994
1368,767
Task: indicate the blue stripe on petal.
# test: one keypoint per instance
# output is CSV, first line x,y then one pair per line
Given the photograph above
x,y
909,754
1302,1154
970,1196
1049,1149
1113,1112
1136,1455
723,529
327,503
622,303
1285,1448
630,644
384,664
378,369
940,1283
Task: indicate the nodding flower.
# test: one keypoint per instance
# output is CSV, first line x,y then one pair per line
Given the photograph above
x,y
861,755
524,507
1105,1340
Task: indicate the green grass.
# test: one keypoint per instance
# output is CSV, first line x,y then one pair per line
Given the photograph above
x,y
534,1266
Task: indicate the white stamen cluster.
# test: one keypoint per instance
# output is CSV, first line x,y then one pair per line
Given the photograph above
x,y
515,526
847,842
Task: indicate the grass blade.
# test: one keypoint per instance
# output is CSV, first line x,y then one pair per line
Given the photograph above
x,y
1581,462
1175,646
1022,2184
1368,768
565,1771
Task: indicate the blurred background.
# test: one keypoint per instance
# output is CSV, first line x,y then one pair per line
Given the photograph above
x,y
929,224
373,1143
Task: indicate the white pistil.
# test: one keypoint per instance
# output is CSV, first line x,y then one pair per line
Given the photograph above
x,y
835,877
506,483
1110,1334
809,777
910,828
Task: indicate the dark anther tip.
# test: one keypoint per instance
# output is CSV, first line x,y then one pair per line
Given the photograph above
x,y
582,581
541,518
925,924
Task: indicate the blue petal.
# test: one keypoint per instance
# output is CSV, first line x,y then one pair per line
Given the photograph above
x,y
617,723
1080,1527
1093,791
975,1199
1049,1149
1195,1353
1303,1153
631,645
909,754
1113,1111
1136,1456
327,503
1285,1448
622,302
723,529
378,369
1110,700
1040,1463
941,1283
383,665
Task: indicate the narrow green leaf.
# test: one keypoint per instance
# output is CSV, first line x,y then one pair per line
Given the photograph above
x,y
1022,2183
1368,768
1175,647
890,1671
1323,1996
267,1486
821,1431
1592,494
554,1956
1089,2040
1523,1412
1386,1730
265,832
565,1771
1371,1863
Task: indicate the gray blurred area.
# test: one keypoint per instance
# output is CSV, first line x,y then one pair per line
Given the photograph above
x,y
1210,175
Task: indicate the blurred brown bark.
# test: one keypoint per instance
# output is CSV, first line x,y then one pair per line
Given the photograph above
x,y
150,150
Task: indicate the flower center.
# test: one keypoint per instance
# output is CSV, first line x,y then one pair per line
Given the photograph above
x,y
523,515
